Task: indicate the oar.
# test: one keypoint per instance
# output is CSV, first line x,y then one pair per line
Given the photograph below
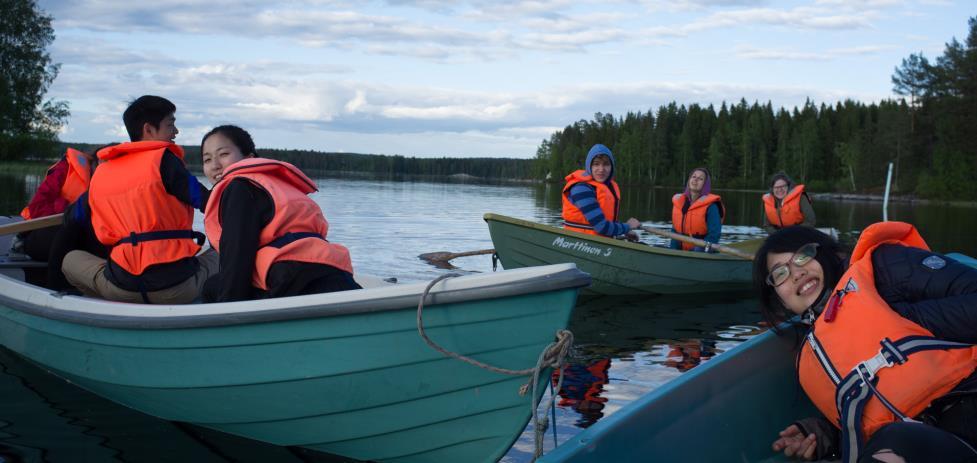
x,y
440,259
700,243
32,224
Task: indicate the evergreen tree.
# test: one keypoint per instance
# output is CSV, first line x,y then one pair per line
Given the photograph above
x,y
28,124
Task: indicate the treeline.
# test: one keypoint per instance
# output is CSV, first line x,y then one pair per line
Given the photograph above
x,y
315,162
931,140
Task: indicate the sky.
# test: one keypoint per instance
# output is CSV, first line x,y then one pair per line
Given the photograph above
x,y
475,78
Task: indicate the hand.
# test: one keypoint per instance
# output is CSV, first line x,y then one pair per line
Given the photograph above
x,y
793,443
633,223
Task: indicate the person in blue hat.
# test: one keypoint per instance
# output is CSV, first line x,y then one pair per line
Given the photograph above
x,y
591,198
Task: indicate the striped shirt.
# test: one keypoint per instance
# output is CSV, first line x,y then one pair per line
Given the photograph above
x,y
585,198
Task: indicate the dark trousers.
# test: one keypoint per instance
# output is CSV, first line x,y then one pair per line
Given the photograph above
x,y
916,443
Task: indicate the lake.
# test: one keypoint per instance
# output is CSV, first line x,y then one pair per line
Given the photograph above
x,y
625,347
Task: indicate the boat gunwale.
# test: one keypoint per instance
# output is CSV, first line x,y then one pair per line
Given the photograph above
x,y
85,311
639,247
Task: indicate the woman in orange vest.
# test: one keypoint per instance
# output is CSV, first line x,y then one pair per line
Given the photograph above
x,y
697,212
591,198
271,237
64,182
786,204
890,344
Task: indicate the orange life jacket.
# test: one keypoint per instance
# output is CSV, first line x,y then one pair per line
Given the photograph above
x,y
297,231
863,365
132,212
693,222
790,208
608,198
75,182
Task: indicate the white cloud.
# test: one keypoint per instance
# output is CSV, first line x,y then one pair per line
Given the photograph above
x,y
795,55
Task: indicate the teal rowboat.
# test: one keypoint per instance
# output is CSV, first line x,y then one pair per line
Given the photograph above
x,y
619,267
727,409
344,373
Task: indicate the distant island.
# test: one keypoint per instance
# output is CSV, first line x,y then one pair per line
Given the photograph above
x,y
318,162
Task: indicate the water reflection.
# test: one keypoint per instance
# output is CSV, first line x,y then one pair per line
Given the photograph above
x,y
583,383
686,354
625,347
46,419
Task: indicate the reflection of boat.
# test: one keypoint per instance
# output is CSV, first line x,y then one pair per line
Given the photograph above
x,y
622,326
746,396
619,267
344,373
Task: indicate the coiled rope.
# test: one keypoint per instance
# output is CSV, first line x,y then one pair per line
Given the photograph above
x,y
553,356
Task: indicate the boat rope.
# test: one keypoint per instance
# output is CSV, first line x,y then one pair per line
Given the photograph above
x,y
553,356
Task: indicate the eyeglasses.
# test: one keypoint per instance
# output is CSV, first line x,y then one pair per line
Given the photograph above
x,y
780,187
781,272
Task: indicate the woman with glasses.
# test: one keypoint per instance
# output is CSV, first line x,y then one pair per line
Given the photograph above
x,y
888,355
786,204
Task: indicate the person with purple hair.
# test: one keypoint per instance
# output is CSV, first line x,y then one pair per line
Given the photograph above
x,y
697,212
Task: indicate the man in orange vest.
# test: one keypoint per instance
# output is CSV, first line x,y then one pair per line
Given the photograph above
x,y
786,204
142,199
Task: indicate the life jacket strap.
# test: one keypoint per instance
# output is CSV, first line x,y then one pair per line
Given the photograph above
x,y
859,386
136,238
291,237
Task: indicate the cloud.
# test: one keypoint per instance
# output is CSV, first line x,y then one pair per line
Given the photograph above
x,y
443,31
794,55
298,109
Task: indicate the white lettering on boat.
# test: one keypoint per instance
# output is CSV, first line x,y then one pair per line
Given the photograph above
x,y
581,246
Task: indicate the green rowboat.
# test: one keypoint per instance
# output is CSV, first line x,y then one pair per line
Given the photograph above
x,y
344,373
619,267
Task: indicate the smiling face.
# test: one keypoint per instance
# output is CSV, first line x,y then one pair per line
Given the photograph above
x,y
696,181
780,189
218,153
804,283
600,167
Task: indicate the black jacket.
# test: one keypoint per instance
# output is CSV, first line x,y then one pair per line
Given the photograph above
x,y
245,209
939,294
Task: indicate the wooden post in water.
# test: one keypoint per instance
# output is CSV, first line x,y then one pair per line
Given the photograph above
x,y
885,200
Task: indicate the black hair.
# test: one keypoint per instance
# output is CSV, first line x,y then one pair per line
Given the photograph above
x,y
147,109
240,137
790,239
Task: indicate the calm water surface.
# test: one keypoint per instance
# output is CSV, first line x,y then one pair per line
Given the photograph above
x,y
625,347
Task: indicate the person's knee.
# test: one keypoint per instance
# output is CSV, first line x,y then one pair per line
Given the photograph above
x,y
887,456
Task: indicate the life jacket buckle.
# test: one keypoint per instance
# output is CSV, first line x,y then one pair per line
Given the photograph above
x,y
868,368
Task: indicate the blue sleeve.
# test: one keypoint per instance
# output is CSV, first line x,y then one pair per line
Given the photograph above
x,y
713,223
585,199
675,244
714,227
